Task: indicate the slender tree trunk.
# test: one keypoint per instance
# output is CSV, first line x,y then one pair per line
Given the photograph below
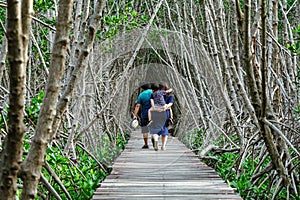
x,y
254,93
80,65
32,166
17,38
275,57
239,14
27,13
3,53
265,130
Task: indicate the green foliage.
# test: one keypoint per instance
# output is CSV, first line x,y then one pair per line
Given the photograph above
x,y
80,181
43,44
26,144
110,151
2,19
80,177
227,170
121,143
297,111
295,48
43,5
226,166
3,118
33,110
228,5
199,138
194,140
126,19
121,20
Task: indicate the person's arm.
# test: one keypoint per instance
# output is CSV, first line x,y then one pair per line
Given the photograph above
x,y
170,102
136,110
169,105
169,90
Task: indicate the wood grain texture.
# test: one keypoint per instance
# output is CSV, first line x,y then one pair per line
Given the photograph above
x,y
175,173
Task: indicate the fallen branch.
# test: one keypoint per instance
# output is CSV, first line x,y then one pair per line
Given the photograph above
x,y
97,161
221,151
207,149
262,172
208,157
50,188
56,179
276,130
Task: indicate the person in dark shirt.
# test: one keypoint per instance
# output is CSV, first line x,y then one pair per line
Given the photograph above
x,y
169,99
143,102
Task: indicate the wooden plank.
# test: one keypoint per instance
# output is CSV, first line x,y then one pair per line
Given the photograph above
x,y
175,173
167,196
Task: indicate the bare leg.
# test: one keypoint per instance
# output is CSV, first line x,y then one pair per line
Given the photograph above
x,y
149,113
149,116
145,135
164,139
155,137
152,140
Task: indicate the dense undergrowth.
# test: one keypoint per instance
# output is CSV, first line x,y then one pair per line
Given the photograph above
x,y
61,174
79,177
240,178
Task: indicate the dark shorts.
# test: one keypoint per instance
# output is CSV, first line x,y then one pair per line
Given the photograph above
x,y
143,124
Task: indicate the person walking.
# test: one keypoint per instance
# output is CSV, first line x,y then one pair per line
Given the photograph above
x,y
143,103
159,124
157,99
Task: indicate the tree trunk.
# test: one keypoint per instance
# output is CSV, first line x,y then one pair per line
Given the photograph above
x,y
17,38
3,53
80,65
254,93
275,57
265,130
32,166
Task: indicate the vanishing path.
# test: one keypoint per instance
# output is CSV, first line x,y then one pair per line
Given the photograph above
x,y
176,173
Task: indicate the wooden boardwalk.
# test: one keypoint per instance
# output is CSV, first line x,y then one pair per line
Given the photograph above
x,y
175,173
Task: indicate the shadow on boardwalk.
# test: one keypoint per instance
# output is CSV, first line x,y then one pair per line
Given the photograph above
x,y
175,173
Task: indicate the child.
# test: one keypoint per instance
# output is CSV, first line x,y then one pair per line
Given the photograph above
x,y
157,100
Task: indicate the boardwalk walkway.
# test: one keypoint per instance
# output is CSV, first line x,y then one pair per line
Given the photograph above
x,y
175,173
